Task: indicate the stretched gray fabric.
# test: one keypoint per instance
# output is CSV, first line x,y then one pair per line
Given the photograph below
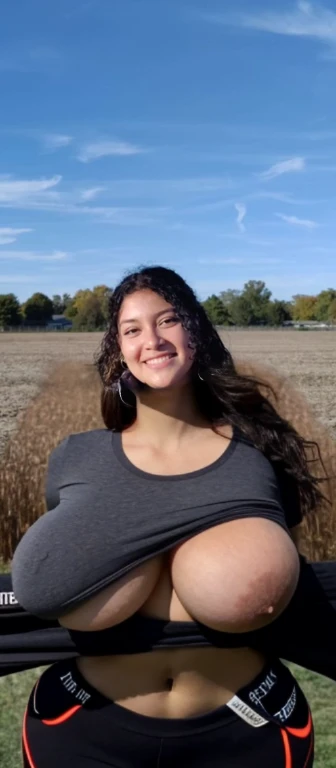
x,y
106,516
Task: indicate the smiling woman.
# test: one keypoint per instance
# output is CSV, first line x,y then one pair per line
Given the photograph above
x,y
176,518
154,345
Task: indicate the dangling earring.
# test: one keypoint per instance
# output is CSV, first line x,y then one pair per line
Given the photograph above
x,y
199,376
121,397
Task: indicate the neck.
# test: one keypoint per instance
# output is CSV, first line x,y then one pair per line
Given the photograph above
x,y
167,414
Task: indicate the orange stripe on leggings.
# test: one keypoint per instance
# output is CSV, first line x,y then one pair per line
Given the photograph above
x,y
302,733
288,753
64,717
25,742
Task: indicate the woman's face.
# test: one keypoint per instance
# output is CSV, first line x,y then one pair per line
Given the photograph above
x,y
152,340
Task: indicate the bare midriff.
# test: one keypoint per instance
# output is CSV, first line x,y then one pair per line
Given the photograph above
x,y
176,683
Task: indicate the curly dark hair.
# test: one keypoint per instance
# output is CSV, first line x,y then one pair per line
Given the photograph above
x,y
223,395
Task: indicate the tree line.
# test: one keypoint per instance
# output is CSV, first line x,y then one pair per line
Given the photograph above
x,y
253,305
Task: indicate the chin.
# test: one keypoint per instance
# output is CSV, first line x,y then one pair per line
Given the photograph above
x,y
172,383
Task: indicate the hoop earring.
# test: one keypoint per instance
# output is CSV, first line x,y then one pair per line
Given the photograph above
x,y
121,397
199,376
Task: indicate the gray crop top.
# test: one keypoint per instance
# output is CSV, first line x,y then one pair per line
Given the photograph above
x,y
105,516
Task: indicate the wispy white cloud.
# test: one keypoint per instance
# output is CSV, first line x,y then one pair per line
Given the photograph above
x,y
294,220
33,256
54,141
96,150
305,19
285,166
91,193
9,234
15,190
241,211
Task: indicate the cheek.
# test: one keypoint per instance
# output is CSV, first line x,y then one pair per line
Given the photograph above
x,y
130,349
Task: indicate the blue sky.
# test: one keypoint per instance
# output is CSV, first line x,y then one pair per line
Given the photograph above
x,y
198,135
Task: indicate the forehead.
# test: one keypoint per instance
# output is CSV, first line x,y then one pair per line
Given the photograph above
x,y
142,303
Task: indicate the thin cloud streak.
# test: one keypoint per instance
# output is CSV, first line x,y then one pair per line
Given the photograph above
x,y
99,149
285,166
14,190
90,194
12,231
241,210
54,141
9,235
304,20
307,223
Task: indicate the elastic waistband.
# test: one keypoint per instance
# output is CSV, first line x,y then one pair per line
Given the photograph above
x,y
66,675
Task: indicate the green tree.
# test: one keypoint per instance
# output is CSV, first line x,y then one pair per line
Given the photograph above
x,y
323,302
89,316
217,313
278,312
58,304
103,293
332,312
249,306
257,299
77,302
241,312
10,311
304,307
38,309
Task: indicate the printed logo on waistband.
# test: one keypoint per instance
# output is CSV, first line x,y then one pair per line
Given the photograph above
x,y
245,712
72,687
259,693
286,711
8,598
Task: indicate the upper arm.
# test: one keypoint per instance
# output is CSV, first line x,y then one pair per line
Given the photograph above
x,y
53,475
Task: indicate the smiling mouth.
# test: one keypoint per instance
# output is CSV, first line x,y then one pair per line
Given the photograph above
x,y
153,361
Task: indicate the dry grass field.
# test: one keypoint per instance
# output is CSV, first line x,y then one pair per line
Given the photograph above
x,y
308,358
41,403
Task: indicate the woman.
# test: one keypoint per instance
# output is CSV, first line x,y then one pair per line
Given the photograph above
x,y
169,539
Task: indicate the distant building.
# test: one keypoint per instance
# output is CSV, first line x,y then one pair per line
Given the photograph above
x,y
59,322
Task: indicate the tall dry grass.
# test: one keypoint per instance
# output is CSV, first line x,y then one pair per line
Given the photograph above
x,y
69,401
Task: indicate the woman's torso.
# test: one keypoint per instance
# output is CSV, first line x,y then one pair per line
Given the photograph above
x,y
180,682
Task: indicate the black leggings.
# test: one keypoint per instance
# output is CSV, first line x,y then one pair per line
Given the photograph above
x,y
68,724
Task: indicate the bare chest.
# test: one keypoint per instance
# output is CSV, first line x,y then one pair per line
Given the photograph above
x,y
163,602
190,456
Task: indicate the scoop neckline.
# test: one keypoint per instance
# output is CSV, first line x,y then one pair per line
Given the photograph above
x,y
125,461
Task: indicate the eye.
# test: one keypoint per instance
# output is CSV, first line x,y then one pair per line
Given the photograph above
x,y
130,331
171,319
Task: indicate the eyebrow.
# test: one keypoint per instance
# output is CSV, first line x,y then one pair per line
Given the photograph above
x,y
136,319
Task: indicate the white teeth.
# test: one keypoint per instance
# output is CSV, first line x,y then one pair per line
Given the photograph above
x,y
158,360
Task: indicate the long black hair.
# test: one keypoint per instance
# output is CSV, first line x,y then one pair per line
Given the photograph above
x,y
223,395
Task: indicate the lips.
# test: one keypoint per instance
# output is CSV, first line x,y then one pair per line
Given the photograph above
x,y
153,361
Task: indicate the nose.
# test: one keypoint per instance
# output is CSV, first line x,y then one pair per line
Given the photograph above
x,y
153,339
